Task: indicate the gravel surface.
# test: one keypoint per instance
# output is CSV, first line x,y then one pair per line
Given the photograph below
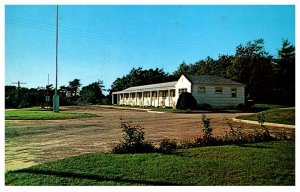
x,y
57,139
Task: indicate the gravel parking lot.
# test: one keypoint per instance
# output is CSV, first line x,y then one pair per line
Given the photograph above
x,y
57,139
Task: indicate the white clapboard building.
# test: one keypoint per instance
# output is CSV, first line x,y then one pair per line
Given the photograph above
x,y
207,89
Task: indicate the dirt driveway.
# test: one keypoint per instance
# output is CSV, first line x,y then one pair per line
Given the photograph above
x,y
45,140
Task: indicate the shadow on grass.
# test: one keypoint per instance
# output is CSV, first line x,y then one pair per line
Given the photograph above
x,y
92,177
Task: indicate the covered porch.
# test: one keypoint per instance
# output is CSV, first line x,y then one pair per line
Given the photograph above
x,y
155,95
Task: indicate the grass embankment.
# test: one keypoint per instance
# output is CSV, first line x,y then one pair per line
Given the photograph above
x,y
268,163
42,114
276,115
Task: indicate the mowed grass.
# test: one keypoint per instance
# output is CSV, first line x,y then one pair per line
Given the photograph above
x,y
42,114
276,115
268,163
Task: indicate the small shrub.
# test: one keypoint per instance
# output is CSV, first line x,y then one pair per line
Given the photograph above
x,y
282,135
266,133
237,135
200,140
186,143
241,107
207,129
205,106
133,140
167,146
186,101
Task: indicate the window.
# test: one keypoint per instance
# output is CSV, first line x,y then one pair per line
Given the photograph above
x,y
219,90
233,92
182,90
201,89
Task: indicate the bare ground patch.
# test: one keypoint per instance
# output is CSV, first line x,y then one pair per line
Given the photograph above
x,y
44,140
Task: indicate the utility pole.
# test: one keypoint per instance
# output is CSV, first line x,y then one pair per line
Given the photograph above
x,y
19,87
47,98
56,97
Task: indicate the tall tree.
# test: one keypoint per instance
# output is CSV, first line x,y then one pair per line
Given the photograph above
x,y
74,87
285,73
11,96
92,93
252,66
183,68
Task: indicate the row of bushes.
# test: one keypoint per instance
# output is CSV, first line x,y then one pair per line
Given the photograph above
x,y
134,140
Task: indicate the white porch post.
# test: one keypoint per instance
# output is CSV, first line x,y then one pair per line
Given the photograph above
x,y
169,97
150,98
123,99
130,99
157,98
136,99
142,98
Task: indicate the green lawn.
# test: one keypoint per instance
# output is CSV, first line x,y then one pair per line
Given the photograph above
x,y
276,115
268,163
42,114
268,106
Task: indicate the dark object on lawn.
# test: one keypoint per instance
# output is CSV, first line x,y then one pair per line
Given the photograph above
x,y
186,101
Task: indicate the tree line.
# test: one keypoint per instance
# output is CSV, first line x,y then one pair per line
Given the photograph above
x,y
19,97
268,79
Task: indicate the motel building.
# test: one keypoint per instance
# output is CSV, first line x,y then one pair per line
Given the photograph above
x,y
209,89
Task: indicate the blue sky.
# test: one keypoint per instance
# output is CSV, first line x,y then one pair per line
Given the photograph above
x,y
106,42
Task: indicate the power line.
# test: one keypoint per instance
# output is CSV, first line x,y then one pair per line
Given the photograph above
x,y
19,84
98,36
19,87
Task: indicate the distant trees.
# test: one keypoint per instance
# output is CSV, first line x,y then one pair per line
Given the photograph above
x,y
11,96
252,65
68,95
74,87
139,76
92,93
268,79
23,97
182,68
284,69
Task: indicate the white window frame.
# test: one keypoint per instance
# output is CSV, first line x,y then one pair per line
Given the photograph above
x,y
201,89
218,90
182,90
233,92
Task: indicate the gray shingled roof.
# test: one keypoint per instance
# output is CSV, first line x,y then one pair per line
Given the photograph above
x,y
210,79
197,79
151,87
